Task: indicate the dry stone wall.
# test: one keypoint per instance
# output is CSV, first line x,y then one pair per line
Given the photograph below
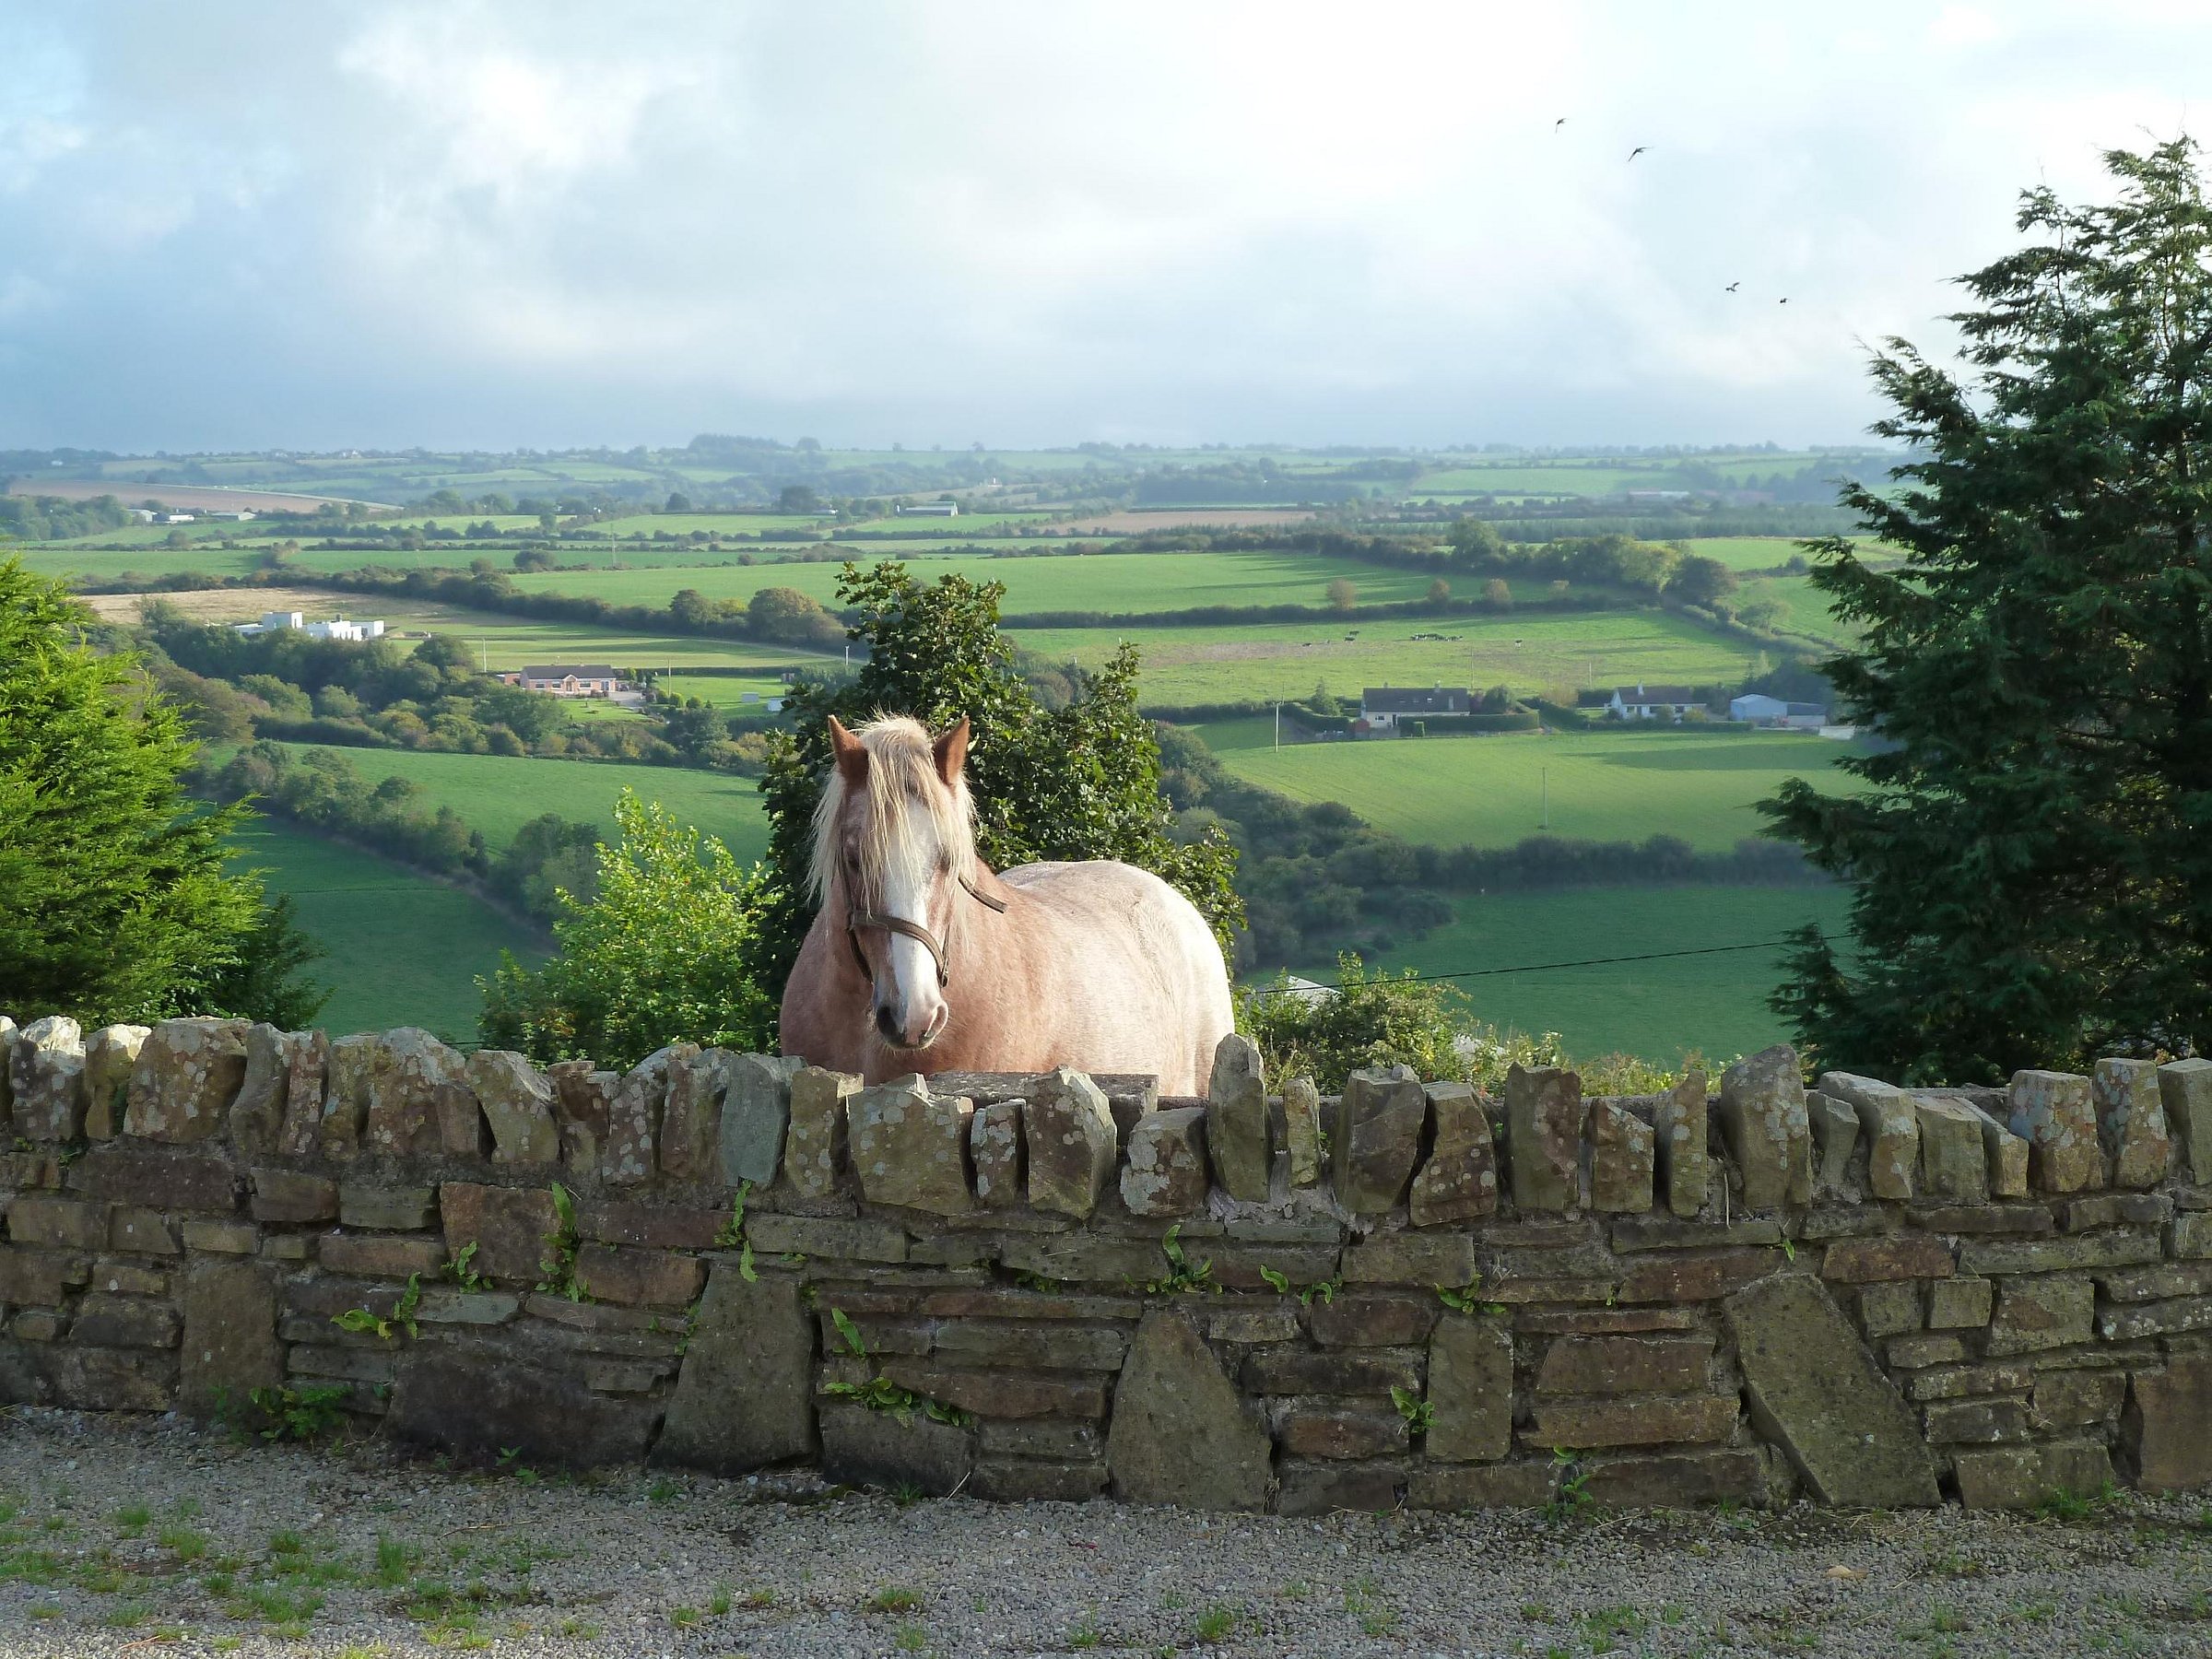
x,y
1062,1287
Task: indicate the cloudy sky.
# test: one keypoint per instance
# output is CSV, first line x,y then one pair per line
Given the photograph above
x,y
226,224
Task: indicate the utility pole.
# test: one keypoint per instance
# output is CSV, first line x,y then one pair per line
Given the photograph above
x,y
1278,725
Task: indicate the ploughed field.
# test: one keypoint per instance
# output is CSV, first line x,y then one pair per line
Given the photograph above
x,y
1550,652
1489,791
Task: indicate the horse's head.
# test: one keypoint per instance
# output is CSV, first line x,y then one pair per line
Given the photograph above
x,y
893,841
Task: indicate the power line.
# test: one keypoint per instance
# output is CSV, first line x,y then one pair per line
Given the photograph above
x,y
1649,955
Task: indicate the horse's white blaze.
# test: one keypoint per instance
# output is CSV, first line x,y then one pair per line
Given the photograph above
x,y
918,1003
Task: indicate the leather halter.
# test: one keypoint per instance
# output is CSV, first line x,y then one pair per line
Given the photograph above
x,y
856,920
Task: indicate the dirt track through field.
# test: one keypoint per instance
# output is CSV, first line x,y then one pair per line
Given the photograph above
x,y
180,498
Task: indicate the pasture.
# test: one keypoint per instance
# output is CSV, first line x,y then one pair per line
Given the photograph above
x,y
1606,785
1531,651
1113,582
1659,1008
403,948
498,793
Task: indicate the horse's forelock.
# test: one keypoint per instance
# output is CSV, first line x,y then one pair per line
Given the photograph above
x,y
909,816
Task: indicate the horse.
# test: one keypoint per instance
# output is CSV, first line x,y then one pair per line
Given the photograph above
x,y
922,959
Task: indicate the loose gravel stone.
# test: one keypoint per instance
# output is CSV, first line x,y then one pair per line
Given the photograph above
x,y
147,1534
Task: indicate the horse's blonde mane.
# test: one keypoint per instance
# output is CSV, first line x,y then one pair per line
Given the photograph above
x,y
913,820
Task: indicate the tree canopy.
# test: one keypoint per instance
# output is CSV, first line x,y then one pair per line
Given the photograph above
x,y
119,905
1077,782
2032,855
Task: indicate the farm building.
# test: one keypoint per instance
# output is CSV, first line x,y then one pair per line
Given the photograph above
x,y
931,509
1653,703
567,679
1382,707
337,627
1761,710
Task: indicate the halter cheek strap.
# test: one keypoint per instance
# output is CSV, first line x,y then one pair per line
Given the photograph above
x,y
857,920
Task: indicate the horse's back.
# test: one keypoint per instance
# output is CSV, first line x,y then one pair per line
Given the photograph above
x,y
1100,909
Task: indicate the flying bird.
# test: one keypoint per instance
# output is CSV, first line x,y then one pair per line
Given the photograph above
x,y
1559,123
1783,301
1733,286
1638,151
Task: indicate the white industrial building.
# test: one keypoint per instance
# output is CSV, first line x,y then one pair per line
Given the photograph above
x,y
337,627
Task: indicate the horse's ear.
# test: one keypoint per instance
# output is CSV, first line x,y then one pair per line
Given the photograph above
x,y
952,753
852,754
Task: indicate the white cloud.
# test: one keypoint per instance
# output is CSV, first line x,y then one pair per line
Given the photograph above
x,y
558,222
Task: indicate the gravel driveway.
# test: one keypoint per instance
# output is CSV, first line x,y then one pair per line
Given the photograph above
x,y
131,1535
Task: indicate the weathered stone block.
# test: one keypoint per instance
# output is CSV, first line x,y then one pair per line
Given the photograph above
x,y
1314,1488
1687,1419
754,1115
835,1238
1403,1258
581,1100
1835,1129
257,1109
1296,1371
1354,1321
306,1078
1181,1434
872,1448
815,1147
110,1056
633,1117
1815,1391
1042,1438
124,1322
444,1305
1543,1133
379,1255
2051,1111
1376,1138
1623,1365
147,1231
386,1208
1959,1303
39,1278
2118,1209
1002,1394
46,1071
1031,1480
1054,1345
1165,1172
418,1095
634,1277
1236,1120
2191,1235
2074,1399
509,1226
2157,1283
1763,1119
994,1153
1677,1479
442,1398
517,1102
2185,1087
2131,1122
2154,1319
58,1223
1471,1387
1459,1180
1080,1258
1702,1275
1890,1308
1301,1131
909,1146
1679,1127
1890,1126
2057,1255
2166,1429
229,1340
2022,1476
1071,1140
288,1198
1954,1162
2035,1313
1910,1255
1622,1158
1481,1485
222,1237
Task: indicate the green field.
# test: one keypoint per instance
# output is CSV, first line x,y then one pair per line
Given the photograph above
x,y
498,794
725,691
402,948
1113,582
1490,792
1552,652
1714,1004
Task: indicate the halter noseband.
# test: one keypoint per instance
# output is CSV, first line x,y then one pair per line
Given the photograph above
x,y
856,920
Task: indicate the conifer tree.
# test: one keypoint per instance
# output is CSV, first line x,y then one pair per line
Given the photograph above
x,y
2031,855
